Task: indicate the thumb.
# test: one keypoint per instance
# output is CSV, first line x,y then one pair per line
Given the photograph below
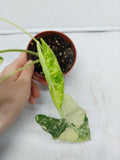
x,y
27,73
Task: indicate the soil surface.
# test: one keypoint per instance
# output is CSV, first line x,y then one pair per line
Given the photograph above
x,y
61,48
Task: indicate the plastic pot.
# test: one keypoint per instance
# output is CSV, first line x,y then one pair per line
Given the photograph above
x,y
40,78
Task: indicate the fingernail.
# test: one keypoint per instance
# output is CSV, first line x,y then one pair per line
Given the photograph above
x,y
30,61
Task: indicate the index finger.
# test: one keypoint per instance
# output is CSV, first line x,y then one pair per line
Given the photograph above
x,y
16,64
19,62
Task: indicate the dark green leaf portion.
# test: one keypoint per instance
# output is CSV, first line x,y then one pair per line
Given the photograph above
x,y
53,74
84,130
1,60
51,125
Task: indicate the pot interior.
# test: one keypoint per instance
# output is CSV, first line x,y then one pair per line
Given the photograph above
x,y
62,47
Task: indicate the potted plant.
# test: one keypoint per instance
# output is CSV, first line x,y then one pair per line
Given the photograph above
x,y
63,48
73,124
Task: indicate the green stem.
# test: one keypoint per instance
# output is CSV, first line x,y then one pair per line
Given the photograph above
x,y
19,28
34,62
19,50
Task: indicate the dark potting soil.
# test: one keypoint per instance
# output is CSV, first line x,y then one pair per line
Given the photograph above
x,y
61,48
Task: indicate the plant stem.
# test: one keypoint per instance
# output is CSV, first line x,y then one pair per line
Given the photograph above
x,y
19,50
19,28
34,62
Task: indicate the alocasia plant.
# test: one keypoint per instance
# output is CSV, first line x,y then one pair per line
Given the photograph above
x,y
73,126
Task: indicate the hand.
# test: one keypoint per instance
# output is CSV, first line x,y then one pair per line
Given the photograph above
x,y
16,91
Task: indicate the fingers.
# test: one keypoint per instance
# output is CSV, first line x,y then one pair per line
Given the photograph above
x,y
16,64
35,89
34,92
26,74
32,99
19,62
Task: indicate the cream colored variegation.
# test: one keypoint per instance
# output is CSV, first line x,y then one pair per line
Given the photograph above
x,y
53,74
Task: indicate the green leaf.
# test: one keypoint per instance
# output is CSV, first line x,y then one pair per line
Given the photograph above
x,y
53,74
1,60
51,125
75,116
73,126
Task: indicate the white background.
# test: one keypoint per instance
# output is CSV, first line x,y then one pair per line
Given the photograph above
x,y
94,81
60,13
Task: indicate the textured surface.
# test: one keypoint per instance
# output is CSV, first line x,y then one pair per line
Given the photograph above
x,y
94,83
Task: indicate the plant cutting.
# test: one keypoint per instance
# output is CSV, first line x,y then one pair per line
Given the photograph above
x,y
73,125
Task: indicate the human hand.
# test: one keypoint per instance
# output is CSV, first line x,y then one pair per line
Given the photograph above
x,y
16,91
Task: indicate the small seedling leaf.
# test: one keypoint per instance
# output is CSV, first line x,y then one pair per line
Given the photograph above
x,y
1,60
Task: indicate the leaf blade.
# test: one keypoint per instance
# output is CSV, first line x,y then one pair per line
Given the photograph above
x,y
53,74
76,117
73,126
51,125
